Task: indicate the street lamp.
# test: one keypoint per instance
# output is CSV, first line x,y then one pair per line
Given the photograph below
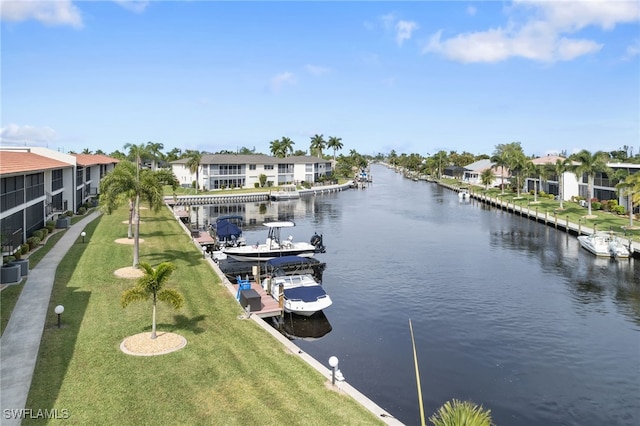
x,y
333,362
83,234
59,310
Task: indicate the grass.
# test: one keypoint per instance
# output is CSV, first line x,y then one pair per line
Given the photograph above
x,y
9,295
230,372
603,221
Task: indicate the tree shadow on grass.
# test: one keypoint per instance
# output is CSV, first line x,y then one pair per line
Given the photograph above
x,y
182,322
190,257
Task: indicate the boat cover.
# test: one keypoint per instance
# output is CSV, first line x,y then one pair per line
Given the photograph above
x,y
289,260
306,294
226,229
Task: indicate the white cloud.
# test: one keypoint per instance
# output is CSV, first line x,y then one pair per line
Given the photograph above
x,y
53,13
317,70
14,134
471,10
632,50
282,79
404,30
543,37
137,6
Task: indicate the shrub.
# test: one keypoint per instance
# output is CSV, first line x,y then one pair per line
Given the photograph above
x,y
619,209
68,213
50,225
38,234
8,259
17,255
542,193
551,196
256,184
45,232
24,248
82,211
33,242
597,205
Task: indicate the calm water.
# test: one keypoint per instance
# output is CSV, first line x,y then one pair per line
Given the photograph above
x,y
506,312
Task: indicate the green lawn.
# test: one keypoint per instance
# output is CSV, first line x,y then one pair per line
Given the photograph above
x,y
230,372
603,221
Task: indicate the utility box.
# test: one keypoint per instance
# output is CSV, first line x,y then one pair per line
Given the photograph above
x,y
63,222
250,298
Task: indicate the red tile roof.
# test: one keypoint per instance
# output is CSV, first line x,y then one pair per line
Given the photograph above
x,y
20,161
93,159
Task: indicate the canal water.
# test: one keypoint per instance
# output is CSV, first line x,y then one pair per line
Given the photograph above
x,y
506,312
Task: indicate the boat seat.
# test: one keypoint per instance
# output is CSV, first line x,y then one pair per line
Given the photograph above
x,y
242,285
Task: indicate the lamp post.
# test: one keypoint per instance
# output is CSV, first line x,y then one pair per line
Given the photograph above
x,y
333,362
83,234
59,310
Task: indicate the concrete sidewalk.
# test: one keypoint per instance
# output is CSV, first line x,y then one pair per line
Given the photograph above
x,y
20,341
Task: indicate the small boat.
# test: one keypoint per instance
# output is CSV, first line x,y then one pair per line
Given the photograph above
x,y
274,246
463,194
227,231
285,192
302,295
605,244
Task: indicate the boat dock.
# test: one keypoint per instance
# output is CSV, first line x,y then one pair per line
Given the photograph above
x,y
545,217
269,307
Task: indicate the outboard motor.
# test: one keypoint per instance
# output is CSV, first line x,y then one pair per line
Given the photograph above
x,y
316,241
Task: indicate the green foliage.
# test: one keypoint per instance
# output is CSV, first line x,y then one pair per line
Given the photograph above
x,y
38,234
33,242
50,225
256,184
459,413
619,210
262,178
24,248
82,211
596,205
68,213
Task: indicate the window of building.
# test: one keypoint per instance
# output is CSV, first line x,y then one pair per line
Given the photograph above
x,y
57,181
268,166
34,186
12,192
252,166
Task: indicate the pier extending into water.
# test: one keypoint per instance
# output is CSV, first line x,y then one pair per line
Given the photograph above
x,y
533,213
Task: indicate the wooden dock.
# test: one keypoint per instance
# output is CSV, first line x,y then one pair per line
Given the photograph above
x,y
268,305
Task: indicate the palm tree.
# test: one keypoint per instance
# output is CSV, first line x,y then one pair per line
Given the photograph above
x,y
590,164
561,166
630,187
335,144
155,150
317,144
127,182
286,145
193,163
500,160
151,285
461,413
86,151
275,147
486,178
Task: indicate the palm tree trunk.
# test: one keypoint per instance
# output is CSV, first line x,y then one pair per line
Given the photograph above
x,y
589,192
630,209
130,228
136,241
561,192
153,320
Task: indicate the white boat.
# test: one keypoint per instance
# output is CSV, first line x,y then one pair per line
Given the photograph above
x,y
274,246
463,194
285,192
604,244
302,295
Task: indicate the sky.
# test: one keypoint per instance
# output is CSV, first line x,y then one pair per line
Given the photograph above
x,y
414,77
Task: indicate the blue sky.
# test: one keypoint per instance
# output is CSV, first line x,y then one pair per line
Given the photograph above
x,y
416,77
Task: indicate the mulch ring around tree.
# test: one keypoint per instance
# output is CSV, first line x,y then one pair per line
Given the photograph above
x,y
128,272
128,240
143,345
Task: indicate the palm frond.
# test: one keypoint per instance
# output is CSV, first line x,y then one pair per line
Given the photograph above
x,y
172,297
459,413
135,294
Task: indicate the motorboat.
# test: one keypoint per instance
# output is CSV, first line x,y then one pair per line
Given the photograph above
x,y
285,192
227,231
301,293
274,246
464,195
605,244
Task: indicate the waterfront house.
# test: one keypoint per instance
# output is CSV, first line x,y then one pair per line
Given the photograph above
x,y
220,171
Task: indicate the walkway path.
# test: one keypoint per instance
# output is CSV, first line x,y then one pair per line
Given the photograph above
x,y
20,341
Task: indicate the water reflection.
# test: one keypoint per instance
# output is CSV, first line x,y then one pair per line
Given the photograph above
x,y
507,312
297,327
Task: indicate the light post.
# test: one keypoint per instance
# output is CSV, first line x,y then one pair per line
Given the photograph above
x,y
333,362
83,234
59,310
